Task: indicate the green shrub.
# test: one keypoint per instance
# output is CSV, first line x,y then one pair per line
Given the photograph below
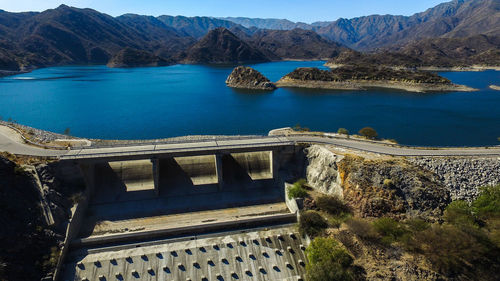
x,y
368,132
416,225
312,223
459,213
331,205
328,261
389,229
488,203
449,249
362,228
343,131
297,190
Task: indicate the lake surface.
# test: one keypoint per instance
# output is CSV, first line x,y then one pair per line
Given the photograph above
x,y
144,103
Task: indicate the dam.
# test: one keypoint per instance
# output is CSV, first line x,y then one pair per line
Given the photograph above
x,y
201,214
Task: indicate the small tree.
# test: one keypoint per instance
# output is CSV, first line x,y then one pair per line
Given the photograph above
x,y
67,131
328,261
312,223
343,131
368,132
297,190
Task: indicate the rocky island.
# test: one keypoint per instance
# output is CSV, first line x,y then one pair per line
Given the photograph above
x,y
495,87
130,57
248,78
365,77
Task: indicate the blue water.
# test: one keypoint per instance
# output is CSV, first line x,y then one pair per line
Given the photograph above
x,y
143,103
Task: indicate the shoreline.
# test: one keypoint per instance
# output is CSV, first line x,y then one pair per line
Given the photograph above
x,y
472,68
366,85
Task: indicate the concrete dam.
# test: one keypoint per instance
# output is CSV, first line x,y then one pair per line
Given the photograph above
x,y
219,215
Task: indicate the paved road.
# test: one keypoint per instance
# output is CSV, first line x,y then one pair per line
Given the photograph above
x,y
397,150
10,144
14,145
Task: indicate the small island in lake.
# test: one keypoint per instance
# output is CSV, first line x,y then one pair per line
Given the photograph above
x,y
364,77
248,78
495,87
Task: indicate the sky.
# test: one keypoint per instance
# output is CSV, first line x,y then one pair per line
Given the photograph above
x,y
295,10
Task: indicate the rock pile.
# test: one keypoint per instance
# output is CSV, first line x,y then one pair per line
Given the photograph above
x,y
463,176
248,78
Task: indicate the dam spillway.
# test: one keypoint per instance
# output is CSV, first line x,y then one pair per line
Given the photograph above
x,y
143,201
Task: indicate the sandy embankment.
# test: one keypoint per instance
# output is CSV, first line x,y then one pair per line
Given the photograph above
x,y
364,85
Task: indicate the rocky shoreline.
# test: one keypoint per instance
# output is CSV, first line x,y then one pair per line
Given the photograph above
x,y
365,85
471,68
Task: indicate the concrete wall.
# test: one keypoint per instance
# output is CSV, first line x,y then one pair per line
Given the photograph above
x,y
136,175
257,165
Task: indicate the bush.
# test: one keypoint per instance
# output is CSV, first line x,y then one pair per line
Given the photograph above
x,y
343,131
449,249
488,203
331,205
459,213
416,225
368,132
312,223
297,190
328,261
363,229
389,229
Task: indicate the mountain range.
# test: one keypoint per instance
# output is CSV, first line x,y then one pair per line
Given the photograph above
x,y
455,19
68,35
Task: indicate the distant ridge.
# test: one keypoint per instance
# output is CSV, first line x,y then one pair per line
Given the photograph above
x,y
454,19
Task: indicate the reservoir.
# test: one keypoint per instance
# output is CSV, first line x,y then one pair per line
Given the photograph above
x,y
146,103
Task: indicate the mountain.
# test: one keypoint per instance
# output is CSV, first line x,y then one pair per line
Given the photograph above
x,y
196,27
67,35
294,44
276,24
223,47
129,57
434,52
455,19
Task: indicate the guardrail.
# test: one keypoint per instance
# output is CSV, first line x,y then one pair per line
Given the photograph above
x,y
165,150
397,145
174,141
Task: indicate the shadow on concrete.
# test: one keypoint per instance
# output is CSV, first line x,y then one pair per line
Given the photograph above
x,y
180,191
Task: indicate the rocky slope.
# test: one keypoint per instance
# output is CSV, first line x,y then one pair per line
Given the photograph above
x,y
35,202
479,50
364,77
274,24
221,46
294,44
248,78
454,19
399,187
462,176
197,27
68,35
129,57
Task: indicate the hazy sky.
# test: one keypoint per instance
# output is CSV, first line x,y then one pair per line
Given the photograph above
x,y
295,10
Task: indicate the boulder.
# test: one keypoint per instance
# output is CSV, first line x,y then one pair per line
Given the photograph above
x,y
248,78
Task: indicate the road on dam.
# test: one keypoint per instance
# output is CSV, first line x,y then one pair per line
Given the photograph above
x,y
11,143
